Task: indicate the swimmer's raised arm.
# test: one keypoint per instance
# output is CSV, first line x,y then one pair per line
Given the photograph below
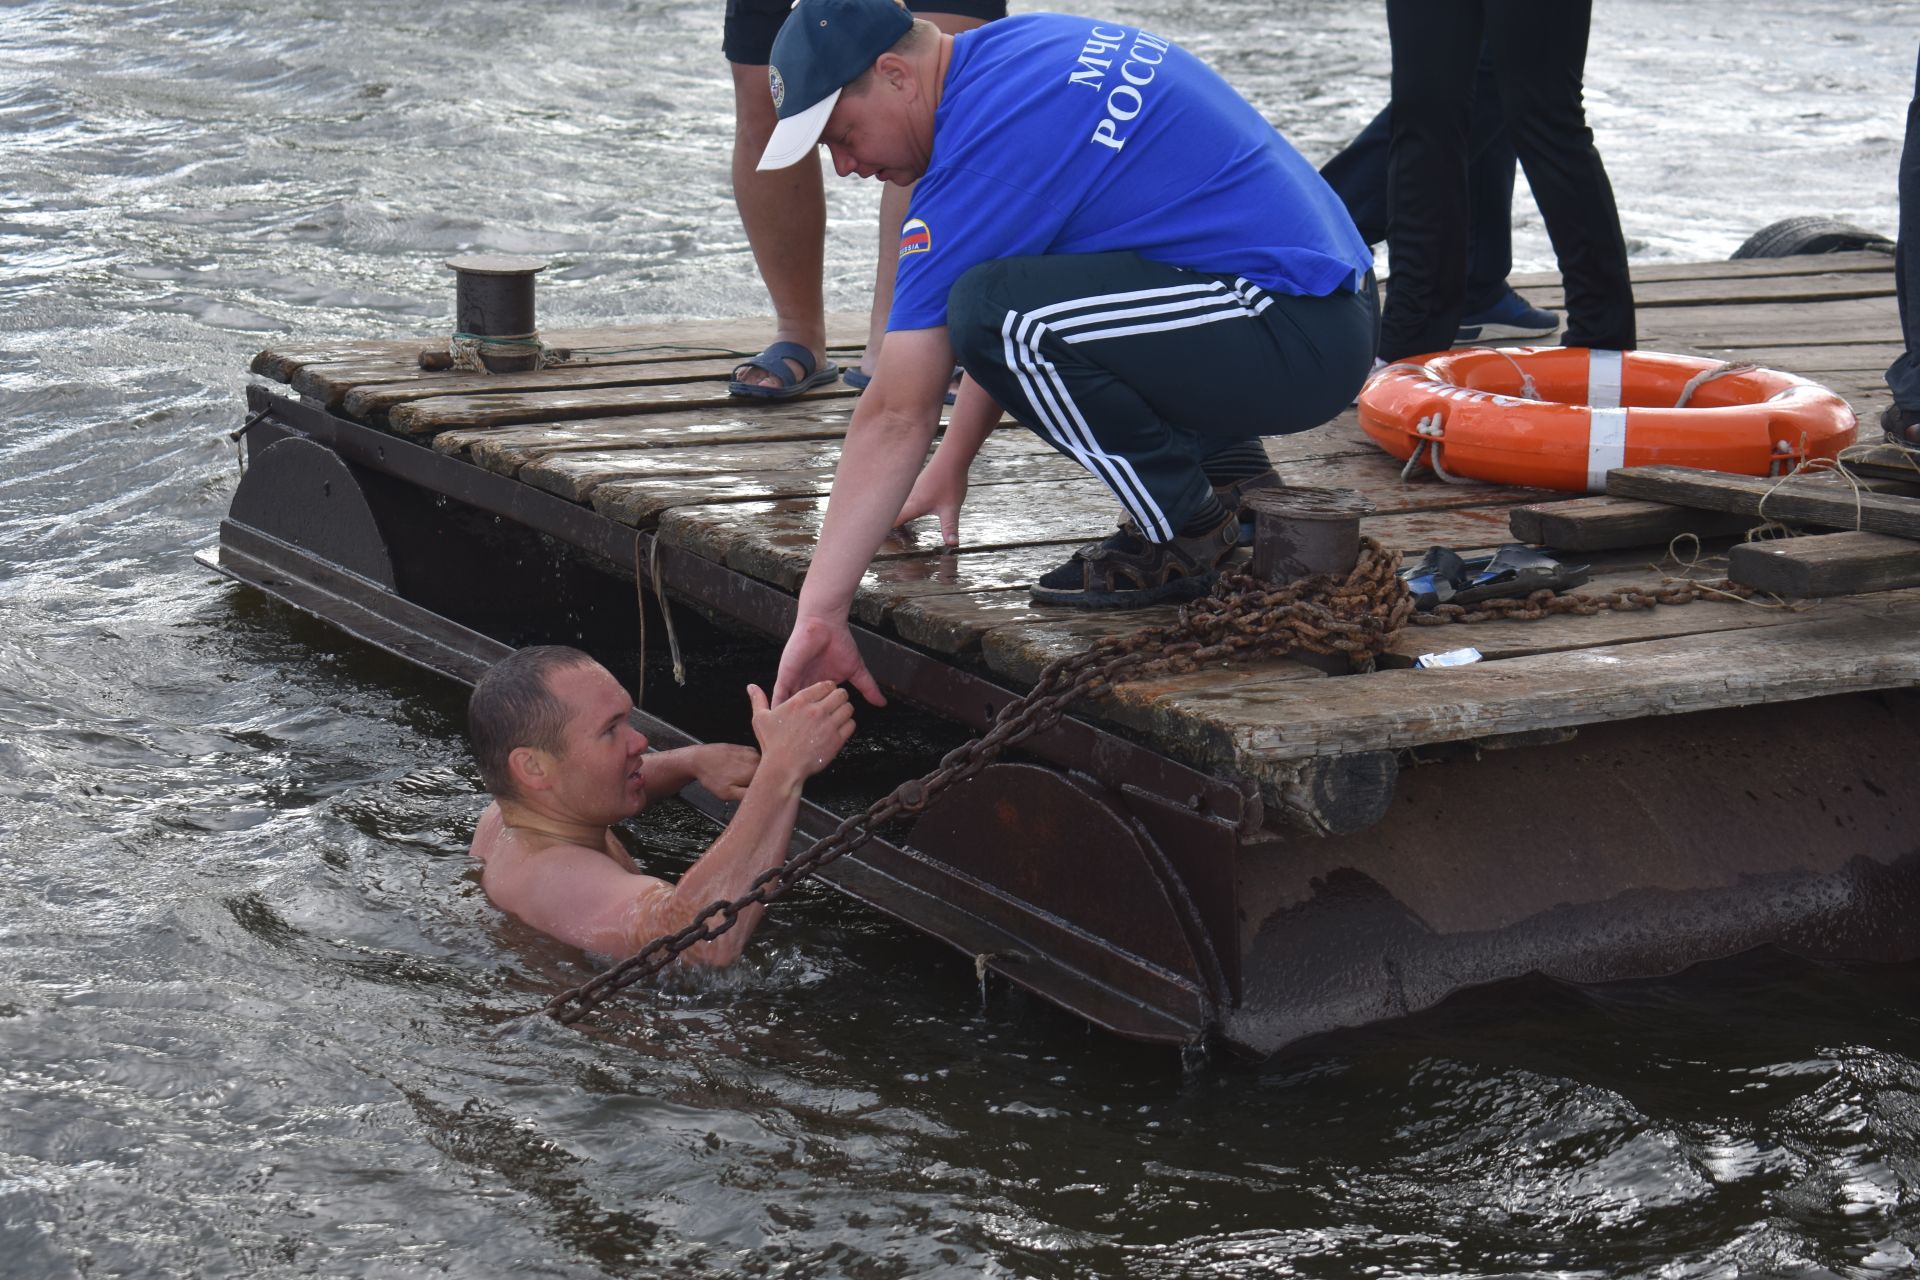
x,y
797,739
550,728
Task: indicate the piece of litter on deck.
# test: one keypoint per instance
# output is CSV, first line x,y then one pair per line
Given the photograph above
x,y
1451,658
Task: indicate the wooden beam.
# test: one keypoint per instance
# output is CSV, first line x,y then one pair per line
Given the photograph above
x,y
1841,647
1885,462
1605,524
1822,498
1802,264
1829,564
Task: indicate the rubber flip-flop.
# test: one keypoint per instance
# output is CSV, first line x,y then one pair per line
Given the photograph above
x,y
1434,580
774,361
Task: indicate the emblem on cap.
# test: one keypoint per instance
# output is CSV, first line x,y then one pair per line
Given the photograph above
x,y
779,87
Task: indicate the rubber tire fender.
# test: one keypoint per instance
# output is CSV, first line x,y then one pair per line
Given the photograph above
x,y
1809,233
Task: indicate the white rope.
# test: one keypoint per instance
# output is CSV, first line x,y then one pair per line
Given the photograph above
x,y
1808,467
1529,390
1724,369
660,590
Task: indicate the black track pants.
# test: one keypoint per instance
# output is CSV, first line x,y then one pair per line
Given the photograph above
x,y
1539,54
1137,370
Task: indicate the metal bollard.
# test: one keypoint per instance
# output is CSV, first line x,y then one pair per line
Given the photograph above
x,y
493,298
1300,532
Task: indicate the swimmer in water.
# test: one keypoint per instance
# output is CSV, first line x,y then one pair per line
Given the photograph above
x,y
550,730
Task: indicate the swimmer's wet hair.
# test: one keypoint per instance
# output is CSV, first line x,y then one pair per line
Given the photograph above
x,y
513,707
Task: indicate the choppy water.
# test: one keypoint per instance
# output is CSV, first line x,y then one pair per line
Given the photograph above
x,y
253,1009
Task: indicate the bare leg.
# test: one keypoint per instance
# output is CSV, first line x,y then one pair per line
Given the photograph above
x,y
785,214
893,211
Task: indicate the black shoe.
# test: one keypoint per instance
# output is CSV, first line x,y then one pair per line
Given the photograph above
x,y
1902,426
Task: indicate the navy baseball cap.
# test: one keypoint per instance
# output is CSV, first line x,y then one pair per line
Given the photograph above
x,y
822,47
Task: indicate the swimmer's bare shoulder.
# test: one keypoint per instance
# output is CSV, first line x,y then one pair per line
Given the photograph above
x,y
594,899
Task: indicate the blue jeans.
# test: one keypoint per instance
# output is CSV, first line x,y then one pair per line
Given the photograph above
x,y
1903,375
1358,175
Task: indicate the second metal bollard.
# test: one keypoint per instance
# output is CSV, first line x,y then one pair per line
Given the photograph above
x,y
1300,532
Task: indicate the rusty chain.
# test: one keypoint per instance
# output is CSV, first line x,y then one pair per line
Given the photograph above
x,y
1244,617
1547,603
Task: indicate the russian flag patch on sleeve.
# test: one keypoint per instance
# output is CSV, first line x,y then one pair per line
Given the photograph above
x,y
915,237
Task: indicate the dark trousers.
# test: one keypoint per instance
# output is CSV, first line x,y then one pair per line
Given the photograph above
x,y
1539,54
1139,371
1358,175
1903,376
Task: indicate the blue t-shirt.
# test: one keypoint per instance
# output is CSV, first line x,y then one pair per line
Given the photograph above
x,y
1059,134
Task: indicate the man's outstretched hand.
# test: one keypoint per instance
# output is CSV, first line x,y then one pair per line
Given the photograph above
x,y
800,736
823,651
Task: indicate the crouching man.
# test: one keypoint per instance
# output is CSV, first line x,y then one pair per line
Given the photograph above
x,y
550,732
1120,251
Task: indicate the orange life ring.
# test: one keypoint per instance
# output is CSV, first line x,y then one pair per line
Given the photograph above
x,y
1562,417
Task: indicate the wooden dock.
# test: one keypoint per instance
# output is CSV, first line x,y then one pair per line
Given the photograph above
x,y
650,438
639,430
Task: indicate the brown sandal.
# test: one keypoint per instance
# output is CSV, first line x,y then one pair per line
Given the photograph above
x,y
1125,571
1233,497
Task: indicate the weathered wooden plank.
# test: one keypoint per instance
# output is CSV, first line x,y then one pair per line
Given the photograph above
x,y
953,606
369,400
734,423
773,541
1842,647
846,331
616,493
1714,291
1376,474
397,356
1884,461
946,600
957,615
426,417
1605,524
1465,529
1739,325
1829,564
281,363
1508,639
1197,716
689,471
507,449
1175,712
1743,268
348,385
1815,498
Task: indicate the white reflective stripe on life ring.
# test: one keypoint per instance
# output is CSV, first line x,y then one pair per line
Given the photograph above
x,y
1604,372
1606,446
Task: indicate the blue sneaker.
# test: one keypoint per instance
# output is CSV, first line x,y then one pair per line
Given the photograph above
x,y
1511,317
